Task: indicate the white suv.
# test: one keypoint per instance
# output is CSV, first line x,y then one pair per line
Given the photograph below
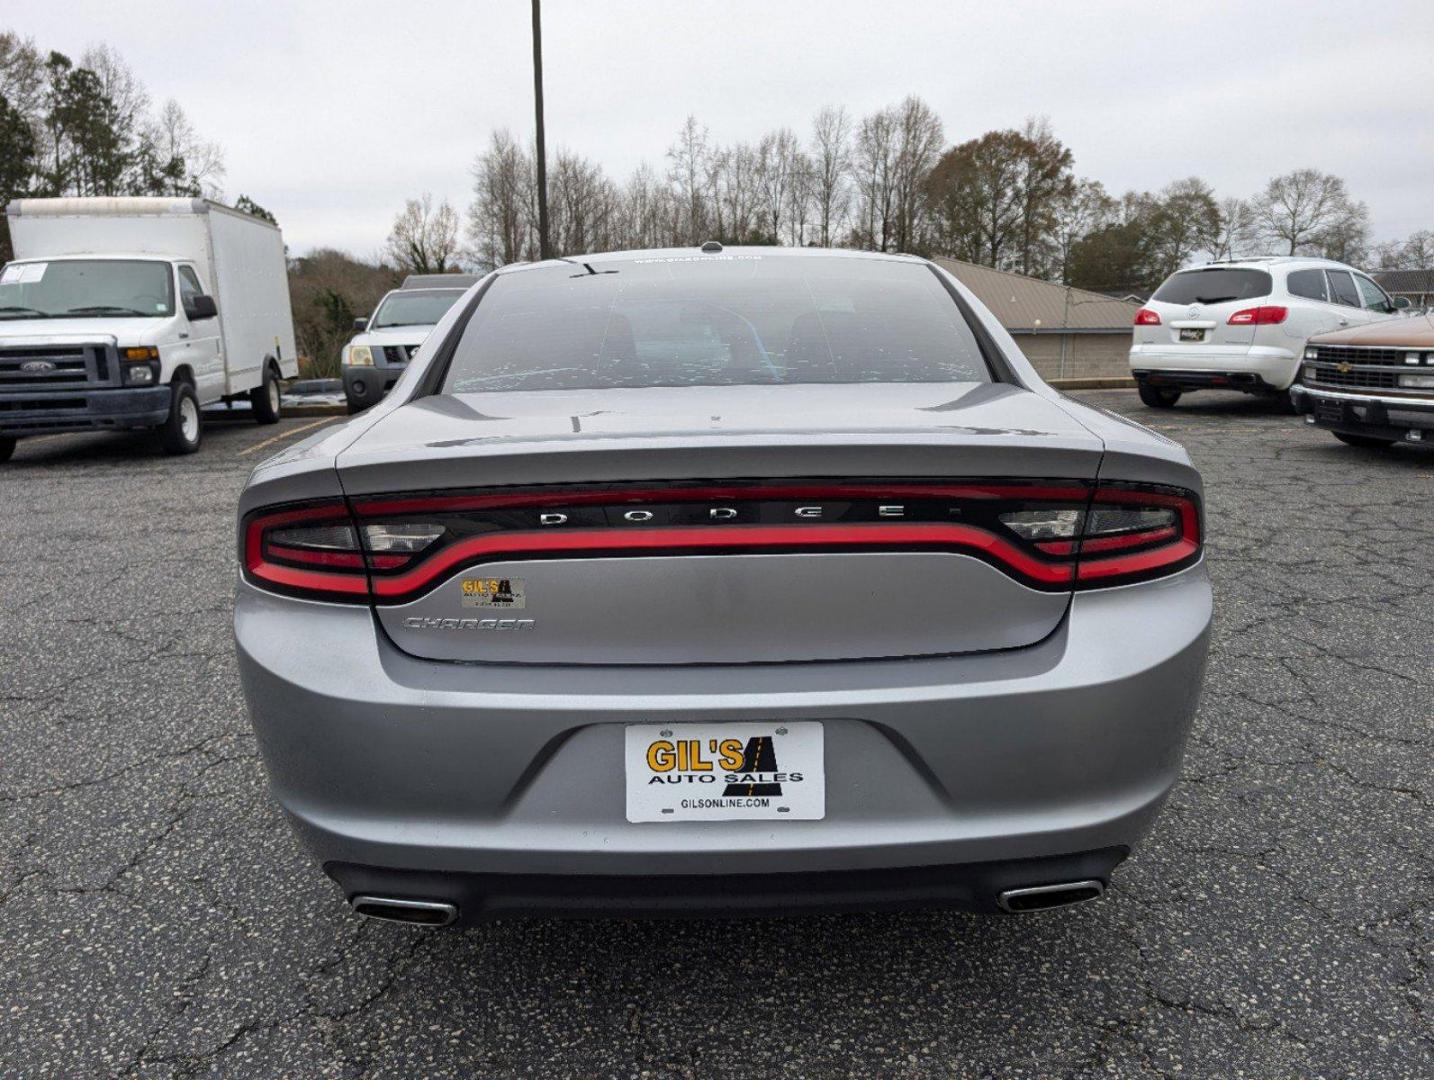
x,y
1243,325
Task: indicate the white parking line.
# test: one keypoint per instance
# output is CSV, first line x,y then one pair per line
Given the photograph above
x,y
288,434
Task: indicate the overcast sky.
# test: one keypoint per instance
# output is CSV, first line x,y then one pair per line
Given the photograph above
x,y
330,114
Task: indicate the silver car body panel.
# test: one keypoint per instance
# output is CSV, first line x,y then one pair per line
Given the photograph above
x,y
1057,729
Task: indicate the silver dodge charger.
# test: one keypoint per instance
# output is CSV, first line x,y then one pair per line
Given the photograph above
x,y
743,580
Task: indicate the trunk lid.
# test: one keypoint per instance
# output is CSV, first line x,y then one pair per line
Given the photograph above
x,y
880,467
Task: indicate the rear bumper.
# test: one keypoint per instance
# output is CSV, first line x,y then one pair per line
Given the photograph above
x,y
79,409
1376,415
969,887
1254,369
502,779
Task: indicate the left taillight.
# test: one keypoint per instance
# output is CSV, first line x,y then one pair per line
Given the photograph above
x,y
305,549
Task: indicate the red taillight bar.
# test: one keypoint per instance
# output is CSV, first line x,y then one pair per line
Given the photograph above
x,y
1146,317
287,564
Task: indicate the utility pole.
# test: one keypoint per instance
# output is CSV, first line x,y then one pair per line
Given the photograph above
x,y
545,249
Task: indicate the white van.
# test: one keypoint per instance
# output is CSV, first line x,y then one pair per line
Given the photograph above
x,y
135,312
1243,325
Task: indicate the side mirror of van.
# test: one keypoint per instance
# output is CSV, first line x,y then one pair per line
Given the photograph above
x,y
200,306
360,325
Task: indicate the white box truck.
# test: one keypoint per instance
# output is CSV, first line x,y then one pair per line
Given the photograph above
x,y
136,312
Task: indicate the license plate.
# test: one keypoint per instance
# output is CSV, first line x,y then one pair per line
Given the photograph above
x,y
725,772
1192,335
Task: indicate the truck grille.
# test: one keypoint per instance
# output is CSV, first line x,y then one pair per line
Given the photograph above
x,y
398,354
44,367
1358,368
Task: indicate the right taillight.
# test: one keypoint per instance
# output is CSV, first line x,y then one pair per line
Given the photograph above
x,y
1146,317
1134,532
1265,315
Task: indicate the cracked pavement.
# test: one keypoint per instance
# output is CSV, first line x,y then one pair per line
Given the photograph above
x,y
158,919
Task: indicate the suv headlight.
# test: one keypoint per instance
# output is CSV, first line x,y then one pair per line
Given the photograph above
x,y
358,356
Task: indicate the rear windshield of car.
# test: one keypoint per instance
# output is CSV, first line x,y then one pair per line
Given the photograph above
x,y
1214,286
723,320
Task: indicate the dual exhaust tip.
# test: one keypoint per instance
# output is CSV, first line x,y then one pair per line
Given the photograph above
x,y
437,913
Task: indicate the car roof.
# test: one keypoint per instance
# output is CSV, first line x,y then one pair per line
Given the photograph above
x,y
696,254
1261,262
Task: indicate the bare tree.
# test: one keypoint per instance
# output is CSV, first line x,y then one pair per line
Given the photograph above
x,y
424,238
777,164
918,143
499,217
646,213
689,170
581,202
1237,232
22,76
1186,219
831,161
1079,212
802,202
1415,253
1296,211
174,138
873,167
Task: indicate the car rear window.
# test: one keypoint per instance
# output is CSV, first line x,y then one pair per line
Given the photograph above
x,y
1214,286
715,320
1307,283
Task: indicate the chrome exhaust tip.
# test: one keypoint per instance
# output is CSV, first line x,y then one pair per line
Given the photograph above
x,y
1045,897
410,912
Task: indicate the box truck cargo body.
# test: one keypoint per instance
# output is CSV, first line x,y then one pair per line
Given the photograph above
x,y
135,312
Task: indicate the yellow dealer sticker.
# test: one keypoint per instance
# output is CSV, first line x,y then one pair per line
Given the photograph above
x,y
494,593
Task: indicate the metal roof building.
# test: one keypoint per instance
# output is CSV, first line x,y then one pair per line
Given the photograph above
x,y
1065,332
1417,285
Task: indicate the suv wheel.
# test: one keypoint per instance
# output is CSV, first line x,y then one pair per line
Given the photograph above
x,y
1159,397
181,432
1369,442
264,398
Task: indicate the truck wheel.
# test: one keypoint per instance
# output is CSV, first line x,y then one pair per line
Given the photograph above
x,y
264,398
180,434
1369,442
7,447
1159,397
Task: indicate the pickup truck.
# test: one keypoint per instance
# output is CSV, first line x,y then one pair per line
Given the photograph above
x,y
388,339
1371,386
125,313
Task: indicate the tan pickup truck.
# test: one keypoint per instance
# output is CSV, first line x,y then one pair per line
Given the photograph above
x,y
1371,385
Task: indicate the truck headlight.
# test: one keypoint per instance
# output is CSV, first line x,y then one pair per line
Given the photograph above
x,y
1417,382
140,365
1311,353
358,356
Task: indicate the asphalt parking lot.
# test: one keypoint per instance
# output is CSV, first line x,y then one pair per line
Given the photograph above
x,y
158,919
